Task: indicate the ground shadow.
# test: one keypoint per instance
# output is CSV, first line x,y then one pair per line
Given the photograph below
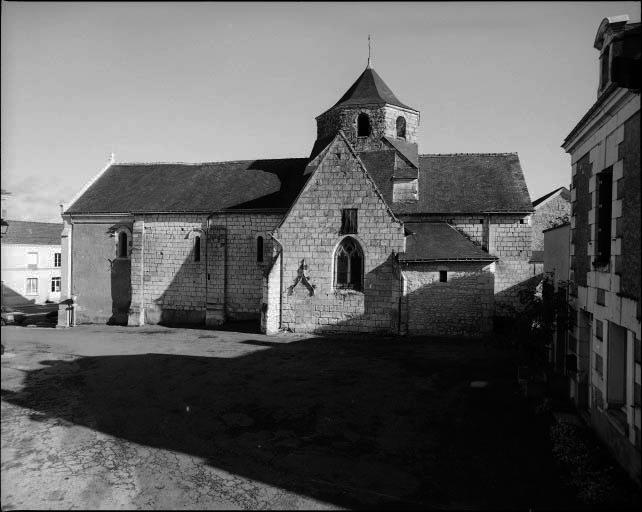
x,y
351,421
10,297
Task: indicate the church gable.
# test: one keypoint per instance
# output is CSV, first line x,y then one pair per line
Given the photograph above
x,y
339,180
340,215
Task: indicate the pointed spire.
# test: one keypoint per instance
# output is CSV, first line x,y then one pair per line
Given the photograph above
x,y
368,66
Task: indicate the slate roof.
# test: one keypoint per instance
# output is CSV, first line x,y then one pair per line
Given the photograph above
x,y
457,183
410,151
369,89
566,194
438,241
205,187
32,233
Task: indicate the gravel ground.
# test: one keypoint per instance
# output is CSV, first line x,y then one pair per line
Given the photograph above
x,y
153,417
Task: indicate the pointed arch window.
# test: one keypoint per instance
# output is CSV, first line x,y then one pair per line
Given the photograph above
x,y
363,125
348,264
401,127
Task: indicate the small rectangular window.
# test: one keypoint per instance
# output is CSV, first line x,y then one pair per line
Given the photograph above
x,y
57,259
348,221
600,297
599,364
32,286
55,284
599,329
443,276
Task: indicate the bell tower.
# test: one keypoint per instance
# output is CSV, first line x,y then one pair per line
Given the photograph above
x,y
367,112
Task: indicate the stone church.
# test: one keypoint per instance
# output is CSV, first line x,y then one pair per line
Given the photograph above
x,y
364,235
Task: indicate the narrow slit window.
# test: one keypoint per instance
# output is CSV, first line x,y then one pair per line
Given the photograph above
x,y
401,127
259,249
197,248
57,259
122,244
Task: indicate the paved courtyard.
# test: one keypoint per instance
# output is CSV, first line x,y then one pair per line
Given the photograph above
x,y
153,417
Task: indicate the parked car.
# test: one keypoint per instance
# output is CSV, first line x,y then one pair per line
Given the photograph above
x,y
12,316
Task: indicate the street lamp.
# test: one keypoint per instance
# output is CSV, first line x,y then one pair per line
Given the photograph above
x,y
4,226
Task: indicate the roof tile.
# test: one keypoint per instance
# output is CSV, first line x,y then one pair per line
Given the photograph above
x,y
438,241
32,233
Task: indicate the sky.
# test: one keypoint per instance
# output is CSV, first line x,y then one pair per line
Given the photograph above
x,y
207,82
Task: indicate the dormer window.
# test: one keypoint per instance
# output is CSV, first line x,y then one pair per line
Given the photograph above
x,y
604,67
401,127
363,125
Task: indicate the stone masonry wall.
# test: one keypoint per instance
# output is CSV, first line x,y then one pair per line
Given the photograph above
x,y
462,306
383,121
243,273
553,212
310,232
510,239
166,281
507,236
173,288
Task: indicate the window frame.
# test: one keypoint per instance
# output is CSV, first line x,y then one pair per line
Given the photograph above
x,y
118,232
603,215
57,259
54,280
37,258
349,221
31,280
197,249
260,249
361,128
403,130
349,284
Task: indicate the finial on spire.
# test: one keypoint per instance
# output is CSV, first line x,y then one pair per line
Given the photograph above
x,y
368,51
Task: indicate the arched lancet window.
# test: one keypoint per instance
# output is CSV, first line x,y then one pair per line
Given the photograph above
x,y
363,125
401,127
348,264
122,244
259,249
197,248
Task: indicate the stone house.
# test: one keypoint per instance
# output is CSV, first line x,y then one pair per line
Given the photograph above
x,y
31,262
603,364
550,210
365,234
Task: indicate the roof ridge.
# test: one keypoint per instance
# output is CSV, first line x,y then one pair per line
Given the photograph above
x,y
210,163
458,154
